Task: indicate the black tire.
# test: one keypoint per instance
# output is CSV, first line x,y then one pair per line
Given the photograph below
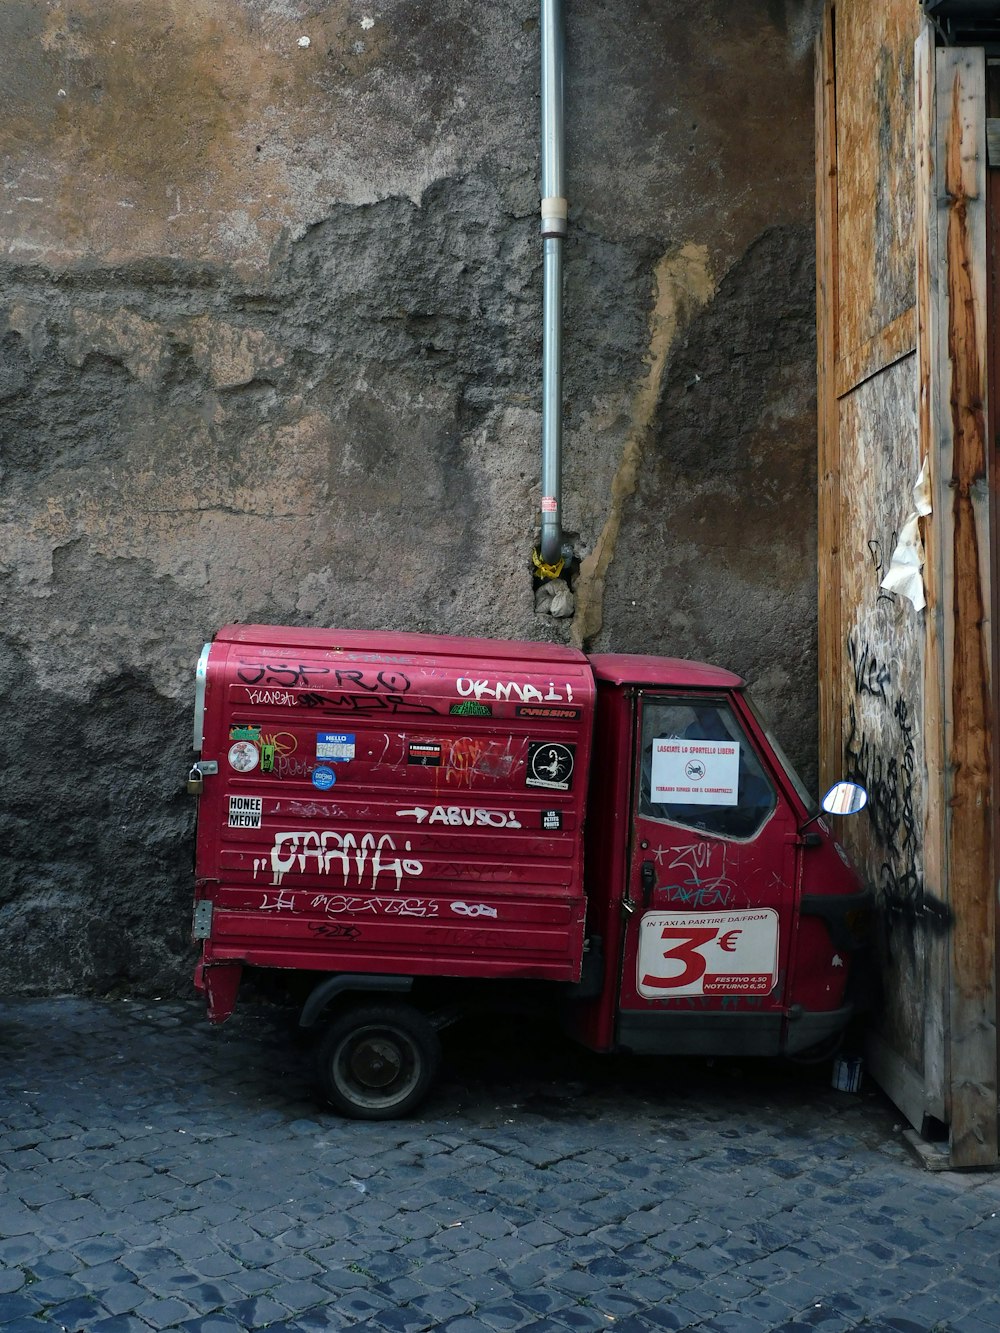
x,y
377,1062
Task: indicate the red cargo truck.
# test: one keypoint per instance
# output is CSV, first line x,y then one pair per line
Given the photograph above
x,y
427,825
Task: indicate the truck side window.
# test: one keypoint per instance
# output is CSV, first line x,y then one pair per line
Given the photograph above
x,y
699,770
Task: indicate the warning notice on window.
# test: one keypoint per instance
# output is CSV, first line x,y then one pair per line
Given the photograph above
x,y
691,772
707,953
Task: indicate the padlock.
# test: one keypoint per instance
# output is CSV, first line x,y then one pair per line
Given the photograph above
x,y
196,783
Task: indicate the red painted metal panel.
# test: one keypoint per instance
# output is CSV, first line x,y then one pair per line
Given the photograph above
x,y
666,672
395,803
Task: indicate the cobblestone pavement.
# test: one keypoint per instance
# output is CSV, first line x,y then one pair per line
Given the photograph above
x,y
158,1173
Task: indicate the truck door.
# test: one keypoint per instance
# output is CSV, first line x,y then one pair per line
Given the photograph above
x,y
712,876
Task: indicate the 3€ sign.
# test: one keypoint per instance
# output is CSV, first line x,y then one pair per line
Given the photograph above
x,y
707,953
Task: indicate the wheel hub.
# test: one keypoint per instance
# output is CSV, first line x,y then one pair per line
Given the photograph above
x,y
375,1062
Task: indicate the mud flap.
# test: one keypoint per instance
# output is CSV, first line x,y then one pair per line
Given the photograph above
x,y
220,982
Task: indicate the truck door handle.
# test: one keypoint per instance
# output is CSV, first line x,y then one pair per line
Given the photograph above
x,y
648,876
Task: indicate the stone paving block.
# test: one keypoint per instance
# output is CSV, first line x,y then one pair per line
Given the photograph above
x,y
162,1313
484,1290
531,1272
299,1295
402,1319
123,1323
503,1316
55,1290
250,1282
25,1249
254,1312
215,1323
580,1317
360,1305
442,1305
78,1313
12,1279
400,1291
985,1319
123,1297
58,1263
734,1322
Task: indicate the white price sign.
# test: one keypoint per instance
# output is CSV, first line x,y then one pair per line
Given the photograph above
x,y
707,953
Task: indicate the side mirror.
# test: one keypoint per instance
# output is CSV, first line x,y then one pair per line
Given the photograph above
x,y
845,798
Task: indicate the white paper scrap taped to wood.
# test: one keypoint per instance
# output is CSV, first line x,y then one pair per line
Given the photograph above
x,y
904,574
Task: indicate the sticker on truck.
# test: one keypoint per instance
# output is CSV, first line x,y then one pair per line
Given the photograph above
x,y
425,753
337,746
243,756
550,764
245,811
707,953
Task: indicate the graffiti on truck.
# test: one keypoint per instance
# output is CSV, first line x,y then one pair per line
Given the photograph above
x,y
457,816
708,882
337,904
360,860
468,759
520,691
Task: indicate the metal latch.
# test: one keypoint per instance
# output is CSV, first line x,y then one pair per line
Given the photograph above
x,y
201,926
196,778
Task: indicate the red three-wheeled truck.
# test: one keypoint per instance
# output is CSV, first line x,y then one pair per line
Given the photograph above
x,y
429,825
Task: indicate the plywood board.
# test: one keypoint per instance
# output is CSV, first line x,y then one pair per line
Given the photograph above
x,y
875,171
883,670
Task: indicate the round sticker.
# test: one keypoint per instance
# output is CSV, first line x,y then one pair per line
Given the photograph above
x,y
323,777
550,764
243,756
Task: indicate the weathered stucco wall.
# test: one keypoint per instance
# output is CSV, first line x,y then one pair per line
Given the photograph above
x,y
269,350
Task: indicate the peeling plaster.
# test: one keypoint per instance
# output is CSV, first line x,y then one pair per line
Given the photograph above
x,y
682,285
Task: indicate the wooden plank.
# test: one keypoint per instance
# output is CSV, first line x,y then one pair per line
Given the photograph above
x,y
889,345
963,521
874,106
903,1084
937,1097
830,635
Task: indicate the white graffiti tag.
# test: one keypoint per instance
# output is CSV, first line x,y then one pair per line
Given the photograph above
x,y
473,909
360,860
506,689
280,697
458,816
334,904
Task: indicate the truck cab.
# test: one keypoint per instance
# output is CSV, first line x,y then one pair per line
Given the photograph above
x,y
426,826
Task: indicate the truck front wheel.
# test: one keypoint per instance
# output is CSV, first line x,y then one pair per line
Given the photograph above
x,y
377,1062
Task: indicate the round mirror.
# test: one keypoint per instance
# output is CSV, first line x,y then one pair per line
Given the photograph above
x,y
845,798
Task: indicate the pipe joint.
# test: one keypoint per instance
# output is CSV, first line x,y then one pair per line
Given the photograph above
x,y
555,212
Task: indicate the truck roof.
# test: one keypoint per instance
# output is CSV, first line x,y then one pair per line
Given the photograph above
x,y
639,669
613,668
393,642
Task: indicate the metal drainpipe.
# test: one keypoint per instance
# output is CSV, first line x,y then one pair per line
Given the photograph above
x,y
553,230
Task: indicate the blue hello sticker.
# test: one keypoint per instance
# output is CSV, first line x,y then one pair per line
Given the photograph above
x,y
323,777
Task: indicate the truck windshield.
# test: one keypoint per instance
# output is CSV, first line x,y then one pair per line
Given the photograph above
x,y
803,794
